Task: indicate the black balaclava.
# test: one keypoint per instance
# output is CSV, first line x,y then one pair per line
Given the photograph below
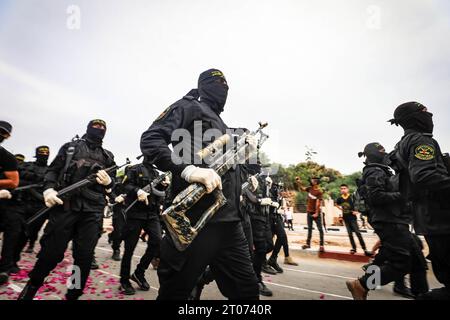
x,y
42,154
95,135
411,115
374,153
213,89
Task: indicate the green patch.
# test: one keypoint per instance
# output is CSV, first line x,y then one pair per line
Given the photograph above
x,y
424,152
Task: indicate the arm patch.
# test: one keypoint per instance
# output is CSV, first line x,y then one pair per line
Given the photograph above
x,y
424,152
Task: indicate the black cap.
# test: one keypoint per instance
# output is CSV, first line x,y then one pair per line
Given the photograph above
x,y
96,121
6,126
211,73
43,150
404,110
19,157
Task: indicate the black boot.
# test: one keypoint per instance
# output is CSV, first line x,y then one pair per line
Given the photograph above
x,y
263,290
126,288
268,269
401,289
274,264
14,269
4,277
116,255
442,294
94,265
28,292
139,278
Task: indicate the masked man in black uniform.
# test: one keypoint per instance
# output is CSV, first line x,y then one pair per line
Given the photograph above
x,y
79,217
390,217
33,173
221,244
260,227
10,221
143,216
425,180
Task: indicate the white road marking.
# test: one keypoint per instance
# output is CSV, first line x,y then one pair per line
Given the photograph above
x,y
269,283
320,274
310,291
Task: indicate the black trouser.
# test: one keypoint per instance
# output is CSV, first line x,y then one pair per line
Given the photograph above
x,y
290,224
260,229
352,227
224,248
118,222
398,254
11,219
131,233
30,232
278,230
83,228
440,257
418,271
318,222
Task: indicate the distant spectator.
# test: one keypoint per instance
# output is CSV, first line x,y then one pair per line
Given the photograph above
x,y
346,203
289,218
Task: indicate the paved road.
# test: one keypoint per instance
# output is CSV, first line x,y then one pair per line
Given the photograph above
x,y
313,279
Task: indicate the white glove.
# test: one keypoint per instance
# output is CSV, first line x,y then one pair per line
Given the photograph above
x,y
166,181
103,178
254,183
51,198
119,199
265,202
208,177
5,194
143,196
252,143
275,204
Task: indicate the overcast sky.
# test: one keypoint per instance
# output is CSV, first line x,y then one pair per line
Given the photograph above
x,y
324,73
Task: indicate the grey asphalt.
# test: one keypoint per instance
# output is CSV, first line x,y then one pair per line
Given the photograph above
x,y
313,279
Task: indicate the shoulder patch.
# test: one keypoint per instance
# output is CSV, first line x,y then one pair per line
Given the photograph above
x,y
163,114
424,152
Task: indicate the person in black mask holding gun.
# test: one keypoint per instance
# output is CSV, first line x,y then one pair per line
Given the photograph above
x,y
33,173
10,221
143,216
425,180
221,244
79,217
390,217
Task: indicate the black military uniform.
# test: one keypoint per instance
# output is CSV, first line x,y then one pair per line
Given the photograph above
x,y
118,219
80,217
221,244
425,180
10,221
390,217
260,228
140,217
32,199
277,226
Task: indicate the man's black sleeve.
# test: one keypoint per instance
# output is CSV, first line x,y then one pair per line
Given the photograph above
x,y
251,196
54,171
156,140
423,164
376,188
130,183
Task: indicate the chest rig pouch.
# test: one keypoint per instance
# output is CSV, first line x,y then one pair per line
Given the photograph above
x,y
83,162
